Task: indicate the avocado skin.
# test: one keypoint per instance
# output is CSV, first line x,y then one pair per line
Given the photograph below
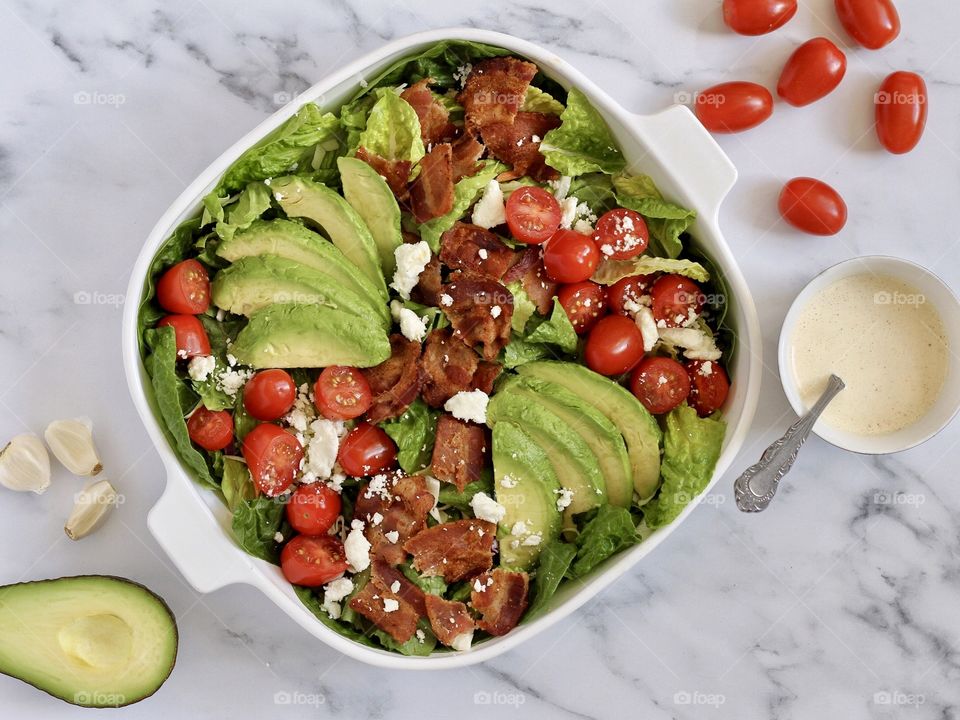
x,y
21,586
368,193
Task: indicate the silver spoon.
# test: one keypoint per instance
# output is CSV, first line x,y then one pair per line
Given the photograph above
x,y
756,487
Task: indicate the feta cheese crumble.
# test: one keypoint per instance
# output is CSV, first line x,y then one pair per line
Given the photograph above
x,y
357,548
201,366
696,344
390,605
486,508
468,405
490,210
412,258
333,593
463,641
321,449
412,326
560,187
648,327
564,499
446,300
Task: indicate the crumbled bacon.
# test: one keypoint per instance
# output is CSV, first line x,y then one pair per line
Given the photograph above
x,y
480,312
459,451
446,368
531,273
403,503
385,576
518,144
431,193
395,383
400,623
485,376
427,289
449,619
470,247
454,550
435,125
494,91
501,599
467,151
395,172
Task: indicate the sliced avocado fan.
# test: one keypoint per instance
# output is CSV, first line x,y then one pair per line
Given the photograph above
x,y
368,194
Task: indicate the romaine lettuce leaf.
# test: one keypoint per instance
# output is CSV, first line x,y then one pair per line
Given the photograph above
x,y
253,202
665,220
523,307
312,599
594,189
414,433
519,351
465,193
434,584
237,486
537,100
393,129
173,250
555,560
557,330
443,62
610,531
256,522
449,495
583,143
612,270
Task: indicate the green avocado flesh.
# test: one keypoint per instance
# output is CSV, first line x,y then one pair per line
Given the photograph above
x,y
368,194
94,641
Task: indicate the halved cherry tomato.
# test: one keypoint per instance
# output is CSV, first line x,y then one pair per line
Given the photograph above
x,y
273,457
621,234
614,346
533,215
813,206
269,394
211,430
570,257
367,450
342,393
184,288
660,384
901,109
313,561
584,302
733,107
812,72
192,339
313,509
709,386
628,289
675,298
872,23
757,17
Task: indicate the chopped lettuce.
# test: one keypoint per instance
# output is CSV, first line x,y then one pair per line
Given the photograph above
x,y
392,129
612,270
555,560
414,433
583,143
243,421
434,585
557,330
237,486
465,193
595,190
256,522
449,495
253,202
312,599
523,307
537,100
609,532
665,220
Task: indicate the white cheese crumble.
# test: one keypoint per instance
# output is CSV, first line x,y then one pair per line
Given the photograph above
x,y
376,519
706,370
395,587
532,540
495,311
321,450
433,487
560,187
201,366
230,381
568,212
462,73
421,635
648,327
390,605
412,258
412,326
446,300
468,405
490,210
393,536
333,592
486,508
463,641
357,549
564,499
696,344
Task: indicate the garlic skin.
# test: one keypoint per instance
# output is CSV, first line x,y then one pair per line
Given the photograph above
x,y
25,464
71,442
93,505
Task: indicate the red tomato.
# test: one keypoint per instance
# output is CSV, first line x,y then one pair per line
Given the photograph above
x,y
367,450
812,72
313,509
192,339
674,298
872,23
273,456
211,430
709,386
627,289
342,393
313,561
901,106
533,215
584,302
269,394
757,17
614,346
813,206
570,257
660,384
184,288
733,107
621,234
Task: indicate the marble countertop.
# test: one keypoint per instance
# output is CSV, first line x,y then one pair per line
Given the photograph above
x,y
841,601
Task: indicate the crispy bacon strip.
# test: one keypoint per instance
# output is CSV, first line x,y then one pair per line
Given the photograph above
x,y
435,125
403,504
376,605
470,247
485,376
448,619
446,368
387,577
431,194
395,172
518,144
454,550
467,151
494,91
459,451
427,289
502,599
480,312
529,270
395,382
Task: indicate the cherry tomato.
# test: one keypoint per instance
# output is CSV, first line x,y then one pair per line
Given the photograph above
x,y
313,509
901,108
660,384
584,302
367,450
621,234
813,206
192,339
342,393
273,457
709,386
628,289
533,215
675,298
757,17
872,23
184,289
570,257
733,107
211,430
614,346
812,72
269,394
313,561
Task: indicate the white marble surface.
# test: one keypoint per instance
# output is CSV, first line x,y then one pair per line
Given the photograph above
x,y
847,588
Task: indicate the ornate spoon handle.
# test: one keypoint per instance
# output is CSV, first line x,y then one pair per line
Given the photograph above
x,y
755,488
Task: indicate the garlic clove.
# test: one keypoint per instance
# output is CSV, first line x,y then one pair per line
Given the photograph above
x,y
71,442
93,505
25,464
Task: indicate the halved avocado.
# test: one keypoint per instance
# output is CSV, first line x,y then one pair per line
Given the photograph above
x,y
91,640
368,194
638,427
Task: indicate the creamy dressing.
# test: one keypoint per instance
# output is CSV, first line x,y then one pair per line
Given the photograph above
x,y
884,340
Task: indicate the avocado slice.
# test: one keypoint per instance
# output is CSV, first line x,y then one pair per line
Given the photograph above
x,y
91,640
293,241
526,485
295,335
260,280
368,194
300,197
638,427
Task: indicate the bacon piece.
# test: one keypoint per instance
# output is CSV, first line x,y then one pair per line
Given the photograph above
x,y
446,368
395,172
400,623
395,382
501,600
459,451
387,577
523,262
485,376
540,288
518,144
473,313
454,550
467,151
431,194
449,619
427,289
403,502
494,91
435,125
470,247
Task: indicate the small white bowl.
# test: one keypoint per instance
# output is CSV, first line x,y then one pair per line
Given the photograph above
x,y
948,401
